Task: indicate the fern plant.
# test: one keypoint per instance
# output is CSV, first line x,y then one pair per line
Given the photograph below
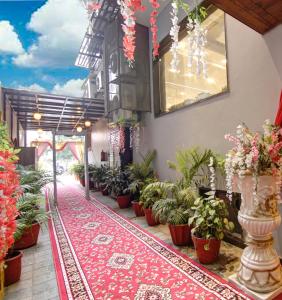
x,y
152,193
141,172
176,208
32,181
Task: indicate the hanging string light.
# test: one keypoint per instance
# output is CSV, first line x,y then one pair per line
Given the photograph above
x,y
197,40
87,123
79,129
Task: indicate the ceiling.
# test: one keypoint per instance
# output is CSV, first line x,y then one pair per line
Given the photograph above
x,y
260,15
58,112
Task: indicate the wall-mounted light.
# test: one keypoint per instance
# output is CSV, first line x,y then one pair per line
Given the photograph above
x,y
79,129
87,123
37,116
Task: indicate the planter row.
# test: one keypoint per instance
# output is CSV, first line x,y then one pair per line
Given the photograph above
x,y
207,250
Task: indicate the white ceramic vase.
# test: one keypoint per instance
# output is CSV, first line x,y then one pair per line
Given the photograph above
x,y
260,268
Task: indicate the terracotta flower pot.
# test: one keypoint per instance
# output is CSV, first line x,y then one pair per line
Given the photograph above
x,y
82,181
180,234
29,237
138,209
13,269
123,201
150,218
206,256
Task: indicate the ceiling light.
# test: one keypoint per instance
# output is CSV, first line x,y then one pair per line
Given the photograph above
x,y
79,129
39,130
37,116
87,123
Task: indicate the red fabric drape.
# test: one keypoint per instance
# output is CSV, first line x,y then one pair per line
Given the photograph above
x,y
73,149
278,119
43,145
41,148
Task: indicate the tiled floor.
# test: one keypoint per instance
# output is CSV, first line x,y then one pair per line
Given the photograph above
x,y
38,281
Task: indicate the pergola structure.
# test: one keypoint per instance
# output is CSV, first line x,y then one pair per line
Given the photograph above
x,y
59,114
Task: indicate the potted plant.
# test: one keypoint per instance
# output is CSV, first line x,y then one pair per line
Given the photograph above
x,y
209,221
120,188
254,165
176,210
141,174
100,177
149,196
13,260
78,171
29,220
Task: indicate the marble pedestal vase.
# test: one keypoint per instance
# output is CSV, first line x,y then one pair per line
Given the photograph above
x,y
260,269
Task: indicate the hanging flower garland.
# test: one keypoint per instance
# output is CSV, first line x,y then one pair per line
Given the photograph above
x,y
121,139
154,27
174,31
128,8
197,41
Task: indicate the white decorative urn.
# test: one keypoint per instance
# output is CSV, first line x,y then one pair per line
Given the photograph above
x,y
260,268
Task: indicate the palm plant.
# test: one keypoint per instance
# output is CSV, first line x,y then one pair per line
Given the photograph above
x,y
141,172
175,209
192,165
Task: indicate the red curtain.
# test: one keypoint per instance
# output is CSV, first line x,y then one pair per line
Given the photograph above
x,y
41,148
278,119
73,149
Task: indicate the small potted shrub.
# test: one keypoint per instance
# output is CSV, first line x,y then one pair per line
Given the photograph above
x,y
29,220
141,174
120,188
101,177
209,222
176,210
149,196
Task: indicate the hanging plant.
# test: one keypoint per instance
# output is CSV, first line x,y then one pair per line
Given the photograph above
x,y
154,27
128,9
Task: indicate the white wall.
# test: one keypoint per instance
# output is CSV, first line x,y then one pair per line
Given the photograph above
x,y
254,93
99,140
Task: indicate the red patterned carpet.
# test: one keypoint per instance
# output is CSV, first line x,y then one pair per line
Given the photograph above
x,y
100,255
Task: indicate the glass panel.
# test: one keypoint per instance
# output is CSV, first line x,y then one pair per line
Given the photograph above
x,y
184,88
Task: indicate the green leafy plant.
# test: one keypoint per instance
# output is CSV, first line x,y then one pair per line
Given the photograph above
x,y
192,165
28,206
209,219
78,170
140,173
176,208
117,181
32,180
152,193
100,174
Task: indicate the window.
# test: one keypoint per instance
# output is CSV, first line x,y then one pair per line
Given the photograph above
x,y
176,90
